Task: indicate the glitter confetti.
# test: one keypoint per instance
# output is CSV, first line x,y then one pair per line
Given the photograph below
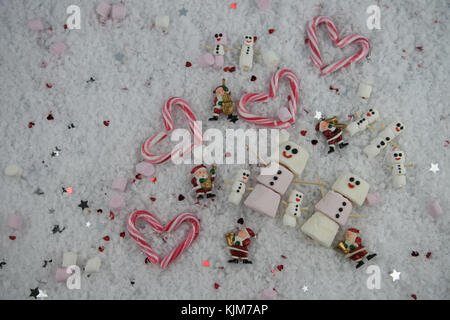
x,y
395,275
30,124
303,132
318,115
216,285
34,292
106,123
182,12
188,64
180,197
434,167
206,263
50,117
83,205
271,31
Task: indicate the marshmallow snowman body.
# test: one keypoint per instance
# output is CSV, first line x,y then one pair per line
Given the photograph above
x,y
320,228
238,187
398,168
382,140
246,57
293,209
361,124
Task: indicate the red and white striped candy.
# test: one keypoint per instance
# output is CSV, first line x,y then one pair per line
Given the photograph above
x,y
150,142
340,42
174,224
257,97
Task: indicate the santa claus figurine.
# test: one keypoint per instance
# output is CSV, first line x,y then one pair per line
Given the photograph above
x,y
223,103
238,245
202,181
353,248
331,129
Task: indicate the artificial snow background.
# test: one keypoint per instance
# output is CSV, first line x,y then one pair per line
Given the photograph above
x,y
409,84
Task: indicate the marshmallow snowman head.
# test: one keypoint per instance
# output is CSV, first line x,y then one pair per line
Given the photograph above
x,y
397,157
352,187
242,175
249,41
372,115
296,197
220,38
293,157
397,128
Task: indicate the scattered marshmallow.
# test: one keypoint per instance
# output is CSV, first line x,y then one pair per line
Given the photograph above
x,y
117,202
69,259
13,171
263,4
372,198
271,59
162,22
118,12
434,208
35,25
58,48
119,184
15,222
268,294
206,60
61,274
284,114
364,91
93,265
103,10
145,168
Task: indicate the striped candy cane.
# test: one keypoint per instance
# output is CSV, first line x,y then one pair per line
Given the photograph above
x,y
257,97
334,35
150,142
173,225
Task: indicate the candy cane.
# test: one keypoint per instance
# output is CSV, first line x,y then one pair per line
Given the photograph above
x,y
257,97
150,219
333,33
150,142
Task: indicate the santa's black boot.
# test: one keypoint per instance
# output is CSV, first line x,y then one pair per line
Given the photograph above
x,y
371,256
343,144
247,261
359,264
214,118
235,260
210,195
331,149
200,196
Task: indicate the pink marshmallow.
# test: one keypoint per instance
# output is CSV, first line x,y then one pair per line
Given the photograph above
x,y
269,294
119,184
284,114
58,48
372,198
117,202
263,4
263,200
434,208
103,9
15,222
145,168
61,274
36,25
118,11
206,60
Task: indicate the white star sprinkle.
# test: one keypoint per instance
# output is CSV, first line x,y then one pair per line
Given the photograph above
x,y
42,294
88,224
434,167
318,115
395,275
305,288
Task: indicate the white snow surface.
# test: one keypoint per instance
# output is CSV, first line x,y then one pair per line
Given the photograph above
x,y
408,84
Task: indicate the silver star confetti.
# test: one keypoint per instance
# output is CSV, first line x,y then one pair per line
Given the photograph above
x,y
318,115
42,294
395,275
305,288
434,167
182,12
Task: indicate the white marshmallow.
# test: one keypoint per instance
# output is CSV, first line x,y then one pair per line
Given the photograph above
x,y
13,171
246,57
398,168
364,91
320,228
270,59
162,22
352,187
237,192
399,181
69,259
293,157
93,265
289,220
283,136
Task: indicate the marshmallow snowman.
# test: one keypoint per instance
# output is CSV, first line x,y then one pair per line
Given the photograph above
x,y
361,124
293,157
397,158
246,57
293,208
382,140
335,208
238,187
220,41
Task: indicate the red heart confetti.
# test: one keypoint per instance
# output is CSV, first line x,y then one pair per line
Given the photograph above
x,y
50,117
271,31
30,124
232,69
233,5
65,26
106,123
153,199
12,237
49,85
314,142
216,285
122,234
106,238
226,69
206,263
153,179
253,78
101,248
255,38
180,197
428,255
414,296
303,132
111,215
188,64
280,267
50,28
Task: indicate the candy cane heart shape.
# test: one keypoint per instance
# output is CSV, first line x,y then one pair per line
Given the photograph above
x,y
258,97
340,43
159,228
151,142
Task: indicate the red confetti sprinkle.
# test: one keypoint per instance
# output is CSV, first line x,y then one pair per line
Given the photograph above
x,y
188,64
153,199
12,237
420,48
314,142
122,234
232,69
233,6
280,267
153,179
428,255
139,176
206,263
30,124
111,215
216,285
65,26
333,88
283,256
271,31
180,197
49,85
106,238
414,296
226,69
303,132
106,123
101,248
253,78
50,28
50,117
255,38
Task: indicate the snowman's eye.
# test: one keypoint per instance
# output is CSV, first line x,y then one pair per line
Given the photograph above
x,y
294,151
357,183
399,154
216,35
288,147
401,128
220,35
382,143
344,203
352,179
398,124
395,155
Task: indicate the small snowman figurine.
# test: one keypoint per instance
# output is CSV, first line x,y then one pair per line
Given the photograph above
x,y
293,208
397,159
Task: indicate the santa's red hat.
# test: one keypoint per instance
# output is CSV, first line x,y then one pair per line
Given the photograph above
x,y
197,167
354,230
250,232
